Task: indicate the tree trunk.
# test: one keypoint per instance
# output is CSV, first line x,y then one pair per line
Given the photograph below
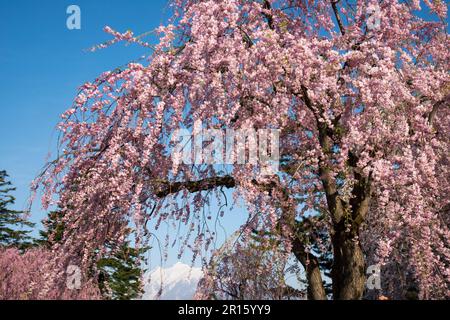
x,y
316,290
348,273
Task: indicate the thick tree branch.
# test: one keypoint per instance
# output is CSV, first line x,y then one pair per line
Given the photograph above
x,y
329,185
195,186
268,7
316,290
432,114
338,18
361,193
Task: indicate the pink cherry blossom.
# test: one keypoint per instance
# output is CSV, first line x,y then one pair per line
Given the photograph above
x,y
364,123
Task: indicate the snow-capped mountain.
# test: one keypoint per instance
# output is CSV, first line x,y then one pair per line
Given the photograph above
x,y
179,282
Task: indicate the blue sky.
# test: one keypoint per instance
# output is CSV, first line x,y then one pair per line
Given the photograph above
x,y
42,65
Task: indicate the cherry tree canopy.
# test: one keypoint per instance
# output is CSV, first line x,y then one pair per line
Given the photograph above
x,y
359,91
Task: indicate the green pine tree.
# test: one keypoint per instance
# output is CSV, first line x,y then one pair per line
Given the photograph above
x,y
53,231
12,224
120,274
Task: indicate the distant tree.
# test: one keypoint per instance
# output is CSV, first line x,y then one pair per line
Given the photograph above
x,y
24,268
247,270
53,229
120,274
22,275
11,221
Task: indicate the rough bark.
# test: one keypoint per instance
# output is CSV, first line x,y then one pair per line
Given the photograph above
x,y
348,271
315,290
